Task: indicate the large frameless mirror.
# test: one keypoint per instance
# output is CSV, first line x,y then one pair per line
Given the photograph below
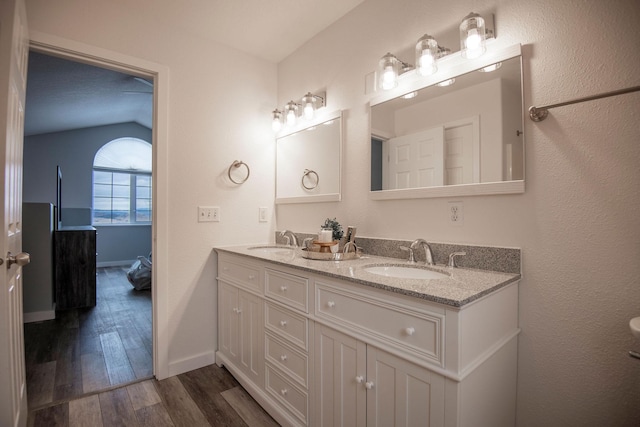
x,y
309,162
464,138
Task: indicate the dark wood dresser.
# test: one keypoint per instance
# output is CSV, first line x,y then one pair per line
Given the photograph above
x,y
75,267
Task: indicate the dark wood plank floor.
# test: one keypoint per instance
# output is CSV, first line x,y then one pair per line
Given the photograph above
x,y
209,396
87,350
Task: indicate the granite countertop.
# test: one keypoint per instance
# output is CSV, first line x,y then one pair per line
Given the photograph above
x,y
461,287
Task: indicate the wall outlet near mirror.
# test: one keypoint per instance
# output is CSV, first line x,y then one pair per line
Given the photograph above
x,y
456,213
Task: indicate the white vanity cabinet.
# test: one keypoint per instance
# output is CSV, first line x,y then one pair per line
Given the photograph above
x,y
314,349
240,317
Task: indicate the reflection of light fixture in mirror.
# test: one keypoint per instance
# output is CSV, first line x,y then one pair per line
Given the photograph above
x,y
410,95
472,36
426,55
276,124
291,113
309,103
445,83
491,67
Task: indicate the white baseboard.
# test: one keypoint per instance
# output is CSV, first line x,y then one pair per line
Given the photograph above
x,y
38,316
190,363
123,263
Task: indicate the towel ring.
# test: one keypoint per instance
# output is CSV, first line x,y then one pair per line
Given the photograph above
x,y
237,164
306,173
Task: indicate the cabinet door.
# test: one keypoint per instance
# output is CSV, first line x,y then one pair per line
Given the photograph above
x,y
340,372
251,333
401,393
228,319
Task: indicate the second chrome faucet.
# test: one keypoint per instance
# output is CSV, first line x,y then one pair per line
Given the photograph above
x,y
415,245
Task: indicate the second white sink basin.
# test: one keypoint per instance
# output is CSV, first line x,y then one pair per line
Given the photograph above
x,y
404,272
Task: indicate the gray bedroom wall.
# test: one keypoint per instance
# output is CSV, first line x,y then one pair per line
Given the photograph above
x,y
74,152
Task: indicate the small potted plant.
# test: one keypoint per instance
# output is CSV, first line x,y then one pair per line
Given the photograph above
x,y
337,234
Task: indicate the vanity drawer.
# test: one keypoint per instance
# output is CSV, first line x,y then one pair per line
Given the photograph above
x,y
238,273
290,396
289,360
288,289
395,325
287,324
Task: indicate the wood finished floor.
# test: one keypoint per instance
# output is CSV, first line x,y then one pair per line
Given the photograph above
x,y
91,349
209,396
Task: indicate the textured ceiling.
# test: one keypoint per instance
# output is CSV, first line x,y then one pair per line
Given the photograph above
x,y
64,95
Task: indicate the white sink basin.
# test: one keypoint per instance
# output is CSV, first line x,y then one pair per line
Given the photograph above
x,y
404,272
634,324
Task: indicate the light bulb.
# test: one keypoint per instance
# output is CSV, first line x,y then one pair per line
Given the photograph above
x,y
446,83
388,71
472,36
389,78
276,123
309,102
291,112
426,51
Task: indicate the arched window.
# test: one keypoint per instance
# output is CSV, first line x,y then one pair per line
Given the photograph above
x,y
122,182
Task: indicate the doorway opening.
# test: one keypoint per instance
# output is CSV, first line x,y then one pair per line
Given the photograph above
x,y
114,342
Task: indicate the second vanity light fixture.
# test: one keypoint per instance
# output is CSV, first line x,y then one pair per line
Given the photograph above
x,y
292,110
473,34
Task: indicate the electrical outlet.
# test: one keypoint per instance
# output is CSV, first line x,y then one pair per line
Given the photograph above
x,y
262,214
208,214
456,213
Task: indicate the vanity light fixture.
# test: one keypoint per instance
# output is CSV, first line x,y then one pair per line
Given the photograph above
x,y
389,70
472,36
426,55
276,123
310,104
291,113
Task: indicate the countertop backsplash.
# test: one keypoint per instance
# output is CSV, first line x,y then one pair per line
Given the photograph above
x,y
504,260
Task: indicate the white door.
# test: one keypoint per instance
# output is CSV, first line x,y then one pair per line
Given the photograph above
x,y
14,48
415,160
459,154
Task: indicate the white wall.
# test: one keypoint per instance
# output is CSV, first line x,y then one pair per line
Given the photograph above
x,y
577,223
220,102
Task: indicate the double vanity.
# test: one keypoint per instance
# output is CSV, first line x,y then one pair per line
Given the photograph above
x,y
368,341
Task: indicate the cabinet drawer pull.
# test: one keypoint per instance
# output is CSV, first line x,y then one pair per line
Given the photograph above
x,y
225,268
359,379
283,323
284,391
410,331
251,277
283,288
331,304
368,385
283,357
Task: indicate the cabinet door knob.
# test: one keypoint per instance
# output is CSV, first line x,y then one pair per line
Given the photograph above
x,y
410,331
331,304
283,357
283,288
284,391
251,277
368,385
283,323
359,379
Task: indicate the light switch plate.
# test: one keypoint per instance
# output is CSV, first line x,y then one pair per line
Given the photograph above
x,y
263,214
208,214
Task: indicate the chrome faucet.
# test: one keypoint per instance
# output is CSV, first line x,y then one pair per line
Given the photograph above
x,y
291,238
427,250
